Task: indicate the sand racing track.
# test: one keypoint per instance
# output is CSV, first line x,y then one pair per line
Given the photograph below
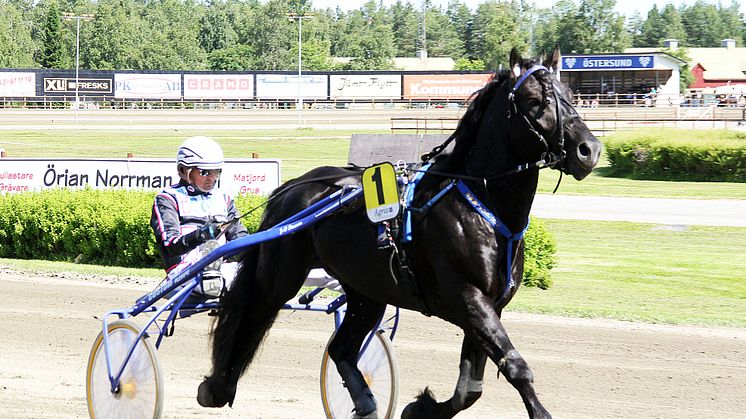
x,y
583,368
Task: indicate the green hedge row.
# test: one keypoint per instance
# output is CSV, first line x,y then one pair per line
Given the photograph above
x,y
112,228
661,156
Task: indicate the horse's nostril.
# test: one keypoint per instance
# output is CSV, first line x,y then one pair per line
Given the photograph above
x,y
583,150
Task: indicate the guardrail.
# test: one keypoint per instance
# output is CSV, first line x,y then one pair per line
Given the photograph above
x,y
605,120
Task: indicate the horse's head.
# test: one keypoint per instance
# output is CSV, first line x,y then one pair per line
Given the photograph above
x,y
542,120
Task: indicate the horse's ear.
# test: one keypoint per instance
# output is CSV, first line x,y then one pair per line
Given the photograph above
x,y
552,62
515,62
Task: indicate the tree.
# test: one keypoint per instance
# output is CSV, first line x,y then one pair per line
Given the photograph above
x,y
653,29
368,39
461,20
53,53
116,37
442,38
593,28
236,58
496,30
272,36
173,36
217,27
686,77
16,44
704,26
405,26
467,64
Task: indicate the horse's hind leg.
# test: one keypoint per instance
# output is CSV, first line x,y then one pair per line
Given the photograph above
x,y
361,316
270,275
468,388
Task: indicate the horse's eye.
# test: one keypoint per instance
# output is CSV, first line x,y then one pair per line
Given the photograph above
x,y
534,103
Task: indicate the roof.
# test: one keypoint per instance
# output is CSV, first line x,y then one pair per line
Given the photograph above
x,y
726,64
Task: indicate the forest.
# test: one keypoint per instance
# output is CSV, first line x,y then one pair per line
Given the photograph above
x,y
263,35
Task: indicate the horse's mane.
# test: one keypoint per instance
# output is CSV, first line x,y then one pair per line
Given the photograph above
x,y
466,132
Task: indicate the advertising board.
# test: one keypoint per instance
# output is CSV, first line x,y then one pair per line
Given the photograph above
x,y
86,86
365,86
239,177
17,84
287,86
443,86
218,86
607,62
147,86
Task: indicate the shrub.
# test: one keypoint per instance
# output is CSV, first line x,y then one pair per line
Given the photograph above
x,y
540,258
718,156
112,227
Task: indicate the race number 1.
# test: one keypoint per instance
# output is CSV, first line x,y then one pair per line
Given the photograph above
x,y
381,193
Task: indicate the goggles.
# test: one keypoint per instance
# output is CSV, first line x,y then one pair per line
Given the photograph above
x,y
209,172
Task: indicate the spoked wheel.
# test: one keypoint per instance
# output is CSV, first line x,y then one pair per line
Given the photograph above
x,y
381,371
140,391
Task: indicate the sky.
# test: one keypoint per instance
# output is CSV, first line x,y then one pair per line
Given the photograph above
x,y
625,7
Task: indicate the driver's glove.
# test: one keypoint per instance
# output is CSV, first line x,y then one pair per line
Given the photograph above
x,y
207,232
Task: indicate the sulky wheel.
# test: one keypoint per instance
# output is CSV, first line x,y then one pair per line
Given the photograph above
x,y
381,371
140,391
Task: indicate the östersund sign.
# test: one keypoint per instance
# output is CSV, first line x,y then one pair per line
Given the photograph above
x,y
607,62
240,176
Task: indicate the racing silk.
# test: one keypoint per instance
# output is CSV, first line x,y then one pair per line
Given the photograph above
x,y
181,209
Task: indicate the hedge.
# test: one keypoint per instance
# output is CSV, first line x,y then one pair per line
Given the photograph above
x,y
112,228
679,155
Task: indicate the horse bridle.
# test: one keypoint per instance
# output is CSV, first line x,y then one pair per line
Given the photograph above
x,y
552,158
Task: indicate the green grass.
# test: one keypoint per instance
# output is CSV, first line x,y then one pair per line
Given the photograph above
x,y
303,149
645,272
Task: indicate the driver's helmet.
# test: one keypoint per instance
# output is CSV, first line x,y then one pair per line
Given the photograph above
x,y
200,152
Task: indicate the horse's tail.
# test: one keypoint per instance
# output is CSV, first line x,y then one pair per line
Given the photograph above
x,y
240,326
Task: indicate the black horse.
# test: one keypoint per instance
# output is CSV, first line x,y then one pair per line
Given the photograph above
x,y
465,256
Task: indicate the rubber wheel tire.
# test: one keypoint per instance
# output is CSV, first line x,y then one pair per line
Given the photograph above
x,y
380,368
140,392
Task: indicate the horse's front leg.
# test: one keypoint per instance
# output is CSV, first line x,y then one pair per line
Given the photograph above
x,y
468,388
485,329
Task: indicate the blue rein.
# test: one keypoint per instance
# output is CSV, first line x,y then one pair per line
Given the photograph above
x,y
476,204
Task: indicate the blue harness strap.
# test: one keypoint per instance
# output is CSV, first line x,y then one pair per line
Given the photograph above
x,y
482,210
499,227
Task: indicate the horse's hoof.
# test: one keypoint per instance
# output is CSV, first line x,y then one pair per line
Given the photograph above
x,y
205,397
371,415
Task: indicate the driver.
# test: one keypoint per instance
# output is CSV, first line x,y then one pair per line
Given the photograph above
x,y
190,213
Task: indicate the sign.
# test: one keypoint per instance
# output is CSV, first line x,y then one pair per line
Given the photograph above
x,y
218,86
287,86
13,84
85,85
608,62
443,86
147,86
359,86
381,192
239,176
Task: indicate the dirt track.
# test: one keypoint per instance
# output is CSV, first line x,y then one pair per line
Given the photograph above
x,y
583,368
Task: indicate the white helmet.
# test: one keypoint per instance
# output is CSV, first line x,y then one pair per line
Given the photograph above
x,y
201,152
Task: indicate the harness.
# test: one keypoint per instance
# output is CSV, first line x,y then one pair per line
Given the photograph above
x,y
550,158
497,225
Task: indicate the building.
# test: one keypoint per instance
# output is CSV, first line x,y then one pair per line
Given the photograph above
x,y
719,70
650,77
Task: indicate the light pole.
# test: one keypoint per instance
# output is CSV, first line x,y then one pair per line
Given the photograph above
x,y
78,18
299,18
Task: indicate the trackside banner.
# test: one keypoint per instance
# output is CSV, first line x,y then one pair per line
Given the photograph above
x,y
607,62
443,86
13,84
239,177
